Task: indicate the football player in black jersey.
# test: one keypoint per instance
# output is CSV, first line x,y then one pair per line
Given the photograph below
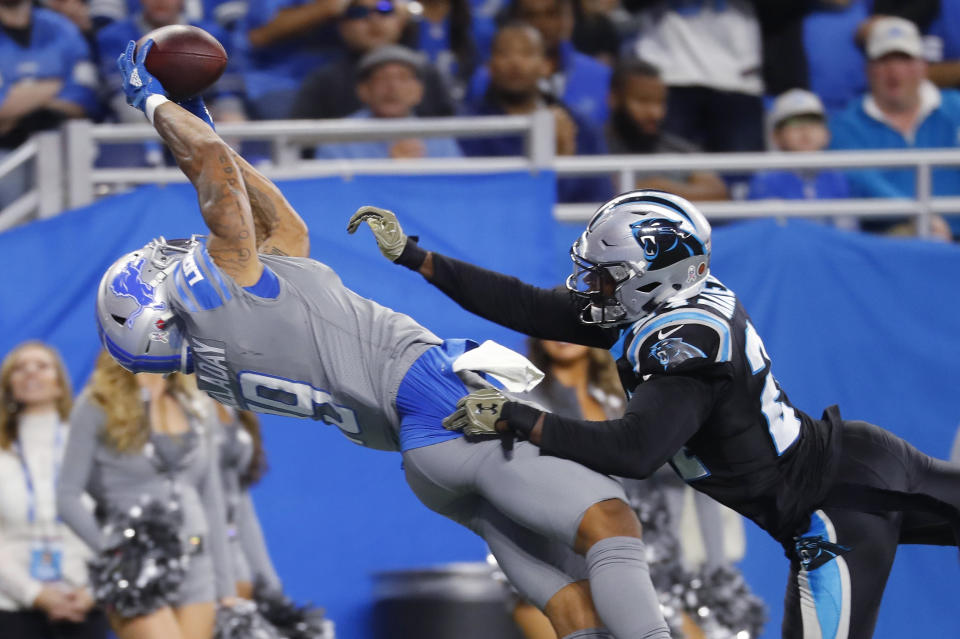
x,y
838,495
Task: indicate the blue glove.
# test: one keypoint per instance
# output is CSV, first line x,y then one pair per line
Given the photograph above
x,y
138,83
196,106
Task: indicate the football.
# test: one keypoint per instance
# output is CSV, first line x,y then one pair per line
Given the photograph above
x,y
185,59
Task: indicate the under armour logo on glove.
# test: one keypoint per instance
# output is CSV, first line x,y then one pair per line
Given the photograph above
x,y
477,413
135,78
493,408
813,552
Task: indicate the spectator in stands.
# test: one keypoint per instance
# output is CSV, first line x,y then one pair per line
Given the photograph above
x,y
281,41
517,63
710,55
939,231
638,105
330,91
595,31
836,63
944,54
902,110
389,85
46,76
572,77
454,40
225,98
798,123
103,12
78,12
229,14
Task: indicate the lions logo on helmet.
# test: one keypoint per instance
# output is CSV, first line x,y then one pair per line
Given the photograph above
x,y
128,283
134,318
640,249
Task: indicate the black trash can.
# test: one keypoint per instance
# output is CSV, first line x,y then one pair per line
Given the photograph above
x,y
452,601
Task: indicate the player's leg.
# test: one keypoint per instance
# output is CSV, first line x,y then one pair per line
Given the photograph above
x,y
536,566
551,497
549,574
604,529
940,481
840,598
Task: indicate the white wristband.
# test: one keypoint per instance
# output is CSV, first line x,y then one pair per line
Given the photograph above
x,y
152,103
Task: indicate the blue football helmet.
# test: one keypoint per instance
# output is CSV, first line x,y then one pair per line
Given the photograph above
x,y
640,249
135,320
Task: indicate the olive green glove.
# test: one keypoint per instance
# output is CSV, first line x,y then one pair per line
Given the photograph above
x,y
478,412
386,229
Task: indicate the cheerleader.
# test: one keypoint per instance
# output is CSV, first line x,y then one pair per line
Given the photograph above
x,y
136,437
242,464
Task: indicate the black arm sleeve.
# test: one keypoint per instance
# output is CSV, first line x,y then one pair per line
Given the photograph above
x,y
661,416
538,312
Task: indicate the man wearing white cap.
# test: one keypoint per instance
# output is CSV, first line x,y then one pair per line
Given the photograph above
x,y
903,110
797,123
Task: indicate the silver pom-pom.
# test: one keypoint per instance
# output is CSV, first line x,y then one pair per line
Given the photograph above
x,y
243,621
144,564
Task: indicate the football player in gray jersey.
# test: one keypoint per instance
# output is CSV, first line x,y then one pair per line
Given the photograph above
x,y
269,330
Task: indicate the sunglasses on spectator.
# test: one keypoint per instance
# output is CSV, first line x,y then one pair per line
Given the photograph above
x,y
359,11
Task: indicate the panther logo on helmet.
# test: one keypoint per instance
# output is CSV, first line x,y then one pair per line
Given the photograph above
x,y
639,250
664,241
129,283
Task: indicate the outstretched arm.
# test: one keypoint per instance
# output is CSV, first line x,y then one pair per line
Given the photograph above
x,y
279,228
207,161
538,312
661,416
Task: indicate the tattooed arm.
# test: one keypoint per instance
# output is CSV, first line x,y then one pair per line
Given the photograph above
x,y
224,202
279,228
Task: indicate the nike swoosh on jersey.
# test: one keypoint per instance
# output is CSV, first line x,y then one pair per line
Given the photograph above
x,y
665,334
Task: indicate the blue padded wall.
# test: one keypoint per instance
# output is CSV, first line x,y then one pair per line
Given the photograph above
x,y
870,323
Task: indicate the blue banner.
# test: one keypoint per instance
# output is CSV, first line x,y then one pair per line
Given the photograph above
x,y
870,323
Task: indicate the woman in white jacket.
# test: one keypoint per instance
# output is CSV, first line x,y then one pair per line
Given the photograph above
x,y
43,576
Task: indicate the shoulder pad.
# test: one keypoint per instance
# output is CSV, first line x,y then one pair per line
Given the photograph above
x,y
198,283
678,340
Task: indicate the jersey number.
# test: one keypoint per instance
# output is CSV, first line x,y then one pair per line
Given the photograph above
x,y
281,396
782,420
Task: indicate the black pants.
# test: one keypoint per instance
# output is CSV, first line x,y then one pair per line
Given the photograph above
x,y
32,624
715,120
841,598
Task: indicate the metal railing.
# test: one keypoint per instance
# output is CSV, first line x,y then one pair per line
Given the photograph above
x,y
627,168
288,137
67,175
45,197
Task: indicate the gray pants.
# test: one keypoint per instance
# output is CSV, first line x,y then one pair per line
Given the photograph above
x,y
528,508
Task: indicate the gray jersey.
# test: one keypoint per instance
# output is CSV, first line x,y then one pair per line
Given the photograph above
x,y
298,343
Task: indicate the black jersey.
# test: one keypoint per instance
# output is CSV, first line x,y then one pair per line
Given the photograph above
x,y
704,397
754,451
